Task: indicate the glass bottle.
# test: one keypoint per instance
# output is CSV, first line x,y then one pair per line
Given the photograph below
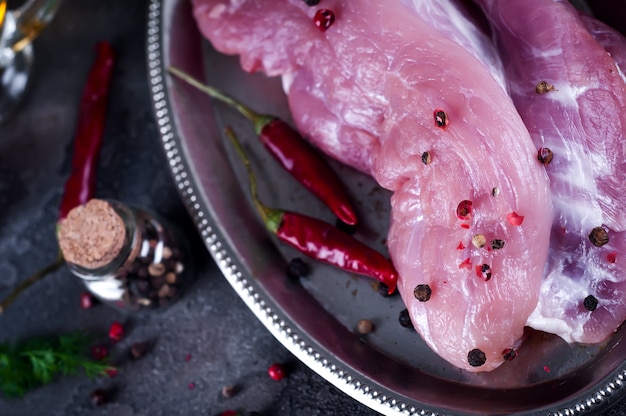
x,y
146,269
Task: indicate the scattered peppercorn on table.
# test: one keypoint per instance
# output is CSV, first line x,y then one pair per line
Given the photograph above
x,y
205,354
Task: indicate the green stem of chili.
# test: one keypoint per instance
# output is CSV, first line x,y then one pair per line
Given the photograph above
x,y
259,120
31,280
271,217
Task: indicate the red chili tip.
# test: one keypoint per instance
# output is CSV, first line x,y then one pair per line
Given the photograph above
x,y
229,413
465,225
466,264
546,369
99,352
111,372
187,358
116,331
86,300
611,257
464,210
460,246
276,372
391,283
191,386
515,219
323,19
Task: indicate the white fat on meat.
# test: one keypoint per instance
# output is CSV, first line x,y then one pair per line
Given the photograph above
x,y
583,122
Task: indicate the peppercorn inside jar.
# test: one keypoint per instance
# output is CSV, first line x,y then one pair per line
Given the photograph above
x,y
127,257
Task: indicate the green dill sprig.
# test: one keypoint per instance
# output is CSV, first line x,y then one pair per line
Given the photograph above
x,y
39,361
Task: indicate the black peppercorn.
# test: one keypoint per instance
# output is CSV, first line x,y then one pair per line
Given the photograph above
x,y
312,2
229,391
404,319
590,303
599,237
497,244
476,358
544,155
426,158
484,272
543,87
98,397
139,349
297,268
383,290
441,118
422,293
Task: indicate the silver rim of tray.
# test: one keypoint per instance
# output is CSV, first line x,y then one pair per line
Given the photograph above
x,y
297,343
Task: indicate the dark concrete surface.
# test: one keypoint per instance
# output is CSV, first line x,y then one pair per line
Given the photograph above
x,y
210,325
225,342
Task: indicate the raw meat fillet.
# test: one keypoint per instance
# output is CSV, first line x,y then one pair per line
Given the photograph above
x,y
611,40
366,92
583,122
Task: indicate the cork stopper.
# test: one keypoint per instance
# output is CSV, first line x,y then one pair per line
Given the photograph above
x,y
92,235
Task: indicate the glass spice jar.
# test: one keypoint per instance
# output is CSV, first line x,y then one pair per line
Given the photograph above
x,y
126,256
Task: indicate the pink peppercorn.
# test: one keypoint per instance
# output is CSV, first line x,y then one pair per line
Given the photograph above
x,y
276,372
324,19
86,300
611,257
116,331
99,352
111,372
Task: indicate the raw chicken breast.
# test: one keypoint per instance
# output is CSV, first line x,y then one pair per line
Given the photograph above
x,y
389,93
582,122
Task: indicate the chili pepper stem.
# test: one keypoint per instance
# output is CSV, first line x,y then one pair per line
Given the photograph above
x,y
25,284
271,217
259,120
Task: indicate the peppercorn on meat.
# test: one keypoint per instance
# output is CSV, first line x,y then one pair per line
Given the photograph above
x,y
564,74
378,86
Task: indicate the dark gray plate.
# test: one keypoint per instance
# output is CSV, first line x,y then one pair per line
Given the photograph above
x,y
391,370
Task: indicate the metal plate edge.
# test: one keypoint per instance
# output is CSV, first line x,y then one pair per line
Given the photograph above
x,y
297,343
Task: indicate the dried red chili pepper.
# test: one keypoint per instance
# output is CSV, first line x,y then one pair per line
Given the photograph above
x,y
318,239
79,187
294,153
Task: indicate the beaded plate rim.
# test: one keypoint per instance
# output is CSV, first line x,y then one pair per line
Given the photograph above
x,y
299,344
